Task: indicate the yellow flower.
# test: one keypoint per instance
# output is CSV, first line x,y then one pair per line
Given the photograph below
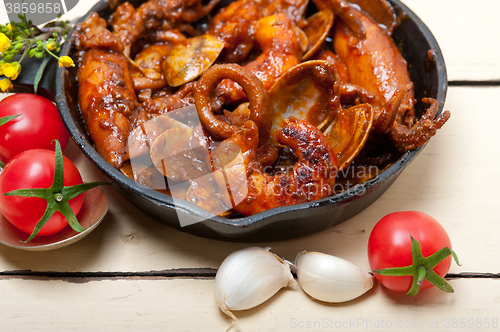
x,y
11,70
9,27
4,43
6,85
51,46
66,61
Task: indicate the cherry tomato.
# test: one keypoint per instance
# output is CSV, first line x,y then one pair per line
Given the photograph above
x,y
35,169
389,246
39,124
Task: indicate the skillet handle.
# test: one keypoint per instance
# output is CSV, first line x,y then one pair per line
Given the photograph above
x,y
25,80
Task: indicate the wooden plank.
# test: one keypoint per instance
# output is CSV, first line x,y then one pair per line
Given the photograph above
x,y
188,305
453,179
465,32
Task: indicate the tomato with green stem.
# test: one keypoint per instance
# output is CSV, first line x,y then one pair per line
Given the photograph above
x,y
34,122
409,251
42,191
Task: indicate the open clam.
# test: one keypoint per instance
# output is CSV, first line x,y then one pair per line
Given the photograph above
x,y
309,91
190,59
348,132
316,30
143,136
306,91
302,39
173,157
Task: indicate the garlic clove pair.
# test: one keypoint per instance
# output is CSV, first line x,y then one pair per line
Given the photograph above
x,y
331,279
249,277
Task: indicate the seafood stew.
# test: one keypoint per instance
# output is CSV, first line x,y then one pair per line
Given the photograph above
x,y
329,127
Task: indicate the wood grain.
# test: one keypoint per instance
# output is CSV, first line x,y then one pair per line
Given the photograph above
x,y
188,305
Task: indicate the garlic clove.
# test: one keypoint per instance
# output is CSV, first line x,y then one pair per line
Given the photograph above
x,y
331,279
249,277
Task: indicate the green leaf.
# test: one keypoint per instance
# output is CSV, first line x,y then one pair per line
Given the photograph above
x,y
396,271
74,191
38,192
439,282
58,182
438,257
416,252
49,212
39,73
417,281
455,257
5,119
65,209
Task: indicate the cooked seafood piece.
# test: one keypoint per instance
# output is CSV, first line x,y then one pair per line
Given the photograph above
x,y
380,10
253,87
316,30
312,176
107,100
281,51
146,71
375,63
345,12
143,136
310,91
92,33
348,132
307,91
186,61
127,25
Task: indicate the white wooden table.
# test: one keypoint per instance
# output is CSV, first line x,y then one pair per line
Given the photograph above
x,y
135,274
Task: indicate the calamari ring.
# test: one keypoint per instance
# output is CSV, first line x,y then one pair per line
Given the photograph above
x,y
253,87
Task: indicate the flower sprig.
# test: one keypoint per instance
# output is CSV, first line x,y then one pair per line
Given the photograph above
x,y
21,39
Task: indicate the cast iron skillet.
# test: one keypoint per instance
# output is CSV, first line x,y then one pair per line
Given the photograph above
x,y
428,74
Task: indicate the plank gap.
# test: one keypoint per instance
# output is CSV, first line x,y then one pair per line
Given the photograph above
x,y
471,275
83,277
474,83
183,273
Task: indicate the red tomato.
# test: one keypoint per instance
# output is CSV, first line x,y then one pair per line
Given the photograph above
x,y
39,124
389,246
35,169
